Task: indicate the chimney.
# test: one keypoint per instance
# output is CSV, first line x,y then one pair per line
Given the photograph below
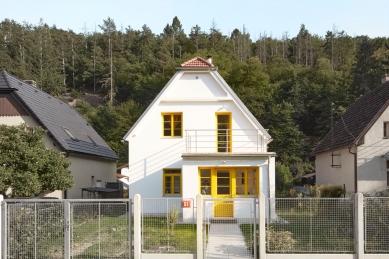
x,y
209,59
385,78
30,82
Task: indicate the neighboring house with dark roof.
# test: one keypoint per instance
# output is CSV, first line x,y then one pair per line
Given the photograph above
x,y
92,160
197,137
355,152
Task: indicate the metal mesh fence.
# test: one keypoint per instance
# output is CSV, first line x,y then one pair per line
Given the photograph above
x,y
78,228
230,228
34,230
167,227
376,224
99,230
323,225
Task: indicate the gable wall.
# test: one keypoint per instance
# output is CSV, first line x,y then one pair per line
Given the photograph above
x,y
149,152
371,160
9,106
81,168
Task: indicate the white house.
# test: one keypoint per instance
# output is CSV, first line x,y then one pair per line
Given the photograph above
x,y
198,137
93,162
355,152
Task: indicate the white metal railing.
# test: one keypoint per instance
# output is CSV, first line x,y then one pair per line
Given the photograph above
x,y
225,141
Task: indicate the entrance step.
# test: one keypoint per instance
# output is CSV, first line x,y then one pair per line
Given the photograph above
x,y
223,221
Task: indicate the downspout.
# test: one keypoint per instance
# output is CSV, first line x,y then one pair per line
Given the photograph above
x,y
268,177
355,168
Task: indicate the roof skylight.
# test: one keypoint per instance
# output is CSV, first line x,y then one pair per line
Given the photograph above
x,y
71,135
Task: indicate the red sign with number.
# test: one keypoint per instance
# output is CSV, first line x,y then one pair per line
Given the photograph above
x,y
185,204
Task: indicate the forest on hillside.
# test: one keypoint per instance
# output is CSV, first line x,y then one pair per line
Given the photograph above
x,y
288,83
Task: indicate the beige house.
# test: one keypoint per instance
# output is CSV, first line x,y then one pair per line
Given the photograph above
x,y
355,152
92,161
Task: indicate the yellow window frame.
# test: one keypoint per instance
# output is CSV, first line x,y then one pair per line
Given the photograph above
x,y
229,138
233,179
172,123
168,172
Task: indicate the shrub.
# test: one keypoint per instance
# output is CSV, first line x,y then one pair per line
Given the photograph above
x,y
280,240
172,218
332,191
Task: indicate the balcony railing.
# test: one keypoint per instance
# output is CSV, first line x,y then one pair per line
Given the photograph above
x,y
225,141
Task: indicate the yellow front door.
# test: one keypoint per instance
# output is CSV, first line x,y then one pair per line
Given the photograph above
x,y
223,190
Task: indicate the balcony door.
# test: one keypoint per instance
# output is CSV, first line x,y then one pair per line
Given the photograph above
x,y
223,132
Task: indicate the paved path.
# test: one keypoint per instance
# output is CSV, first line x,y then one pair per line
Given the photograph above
x,y
226,241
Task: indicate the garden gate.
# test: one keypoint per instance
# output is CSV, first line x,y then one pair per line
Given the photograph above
x,y
229,228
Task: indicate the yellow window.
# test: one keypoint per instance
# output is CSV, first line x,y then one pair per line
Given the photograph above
x,y
172,182
223,132
205,181
172,124
246,181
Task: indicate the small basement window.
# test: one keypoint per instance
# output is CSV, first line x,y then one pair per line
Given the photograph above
x,y
70,134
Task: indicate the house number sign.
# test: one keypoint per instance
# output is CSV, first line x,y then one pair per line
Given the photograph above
x,y
185,204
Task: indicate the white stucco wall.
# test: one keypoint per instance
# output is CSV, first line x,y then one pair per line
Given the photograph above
x,y
198,99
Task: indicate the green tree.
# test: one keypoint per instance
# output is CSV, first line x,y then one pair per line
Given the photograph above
x,y
284,179
27,166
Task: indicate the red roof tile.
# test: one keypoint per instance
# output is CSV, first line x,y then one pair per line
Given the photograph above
x,y
196,62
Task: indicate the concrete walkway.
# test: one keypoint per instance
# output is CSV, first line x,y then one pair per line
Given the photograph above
x,y
226,241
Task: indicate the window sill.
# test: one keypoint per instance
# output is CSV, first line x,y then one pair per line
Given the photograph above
x,y
171,137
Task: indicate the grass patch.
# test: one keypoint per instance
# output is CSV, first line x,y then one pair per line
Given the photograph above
x,y
161,237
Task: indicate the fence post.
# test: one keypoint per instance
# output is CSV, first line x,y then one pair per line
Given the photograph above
x,y
262,226
359,228
1,224
130,226
67,253
200,226
137,227
4,229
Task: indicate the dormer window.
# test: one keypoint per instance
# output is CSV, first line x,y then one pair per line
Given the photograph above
x,y
91,140
386,129
70,134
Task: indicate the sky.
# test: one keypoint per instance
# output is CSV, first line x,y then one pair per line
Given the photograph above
x,y
275,17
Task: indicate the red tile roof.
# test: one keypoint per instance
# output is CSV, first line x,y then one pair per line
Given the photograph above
x,y
196,62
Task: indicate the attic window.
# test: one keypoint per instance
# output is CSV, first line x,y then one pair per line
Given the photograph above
x,y
386,129
71,135
91,140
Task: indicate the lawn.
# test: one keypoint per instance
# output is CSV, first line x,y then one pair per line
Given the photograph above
x,y
315,226
160,237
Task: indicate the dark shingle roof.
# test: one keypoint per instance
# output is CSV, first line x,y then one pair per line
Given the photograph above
x,y
54,115
357,120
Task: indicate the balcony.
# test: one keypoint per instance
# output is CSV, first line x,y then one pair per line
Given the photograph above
x,y
225,141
